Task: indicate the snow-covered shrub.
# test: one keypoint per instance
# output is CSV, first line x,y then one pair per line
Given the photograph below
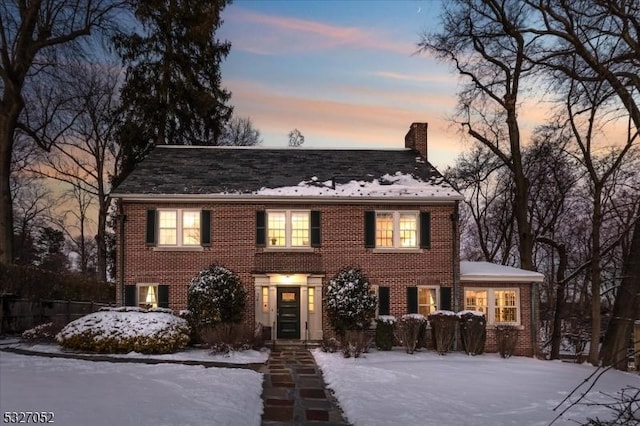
x,y
42,332
226,337
216,295
350,304
507,337
385,332
354,343
473,329
411,325
123,331
330,345
443,330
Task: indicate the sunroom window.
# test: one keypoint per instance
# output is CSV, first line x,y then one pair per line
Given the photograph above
x,y
500,306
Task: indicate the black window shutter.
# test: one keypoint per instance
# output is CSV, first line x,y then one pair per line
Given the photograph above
x,y
370,229
412,300
130,295
261,230
383,300
205,227
425,230
315,228
163,296
445,298
151,227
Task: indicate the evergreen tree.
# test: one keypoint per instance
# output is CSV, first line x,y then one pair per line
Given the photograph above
x,y
172,93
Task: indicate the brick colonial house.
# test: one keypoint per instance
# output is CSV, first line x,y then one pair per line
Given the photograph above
x,y
287,220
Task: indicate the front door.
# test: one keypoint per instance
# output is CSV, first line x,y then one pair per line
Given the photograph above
x,y
288,312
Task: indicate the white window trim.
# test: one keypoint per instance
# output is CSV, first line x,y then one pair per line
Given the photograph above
x,y
288,232
138,285
179,214
396,230
491,304
430,287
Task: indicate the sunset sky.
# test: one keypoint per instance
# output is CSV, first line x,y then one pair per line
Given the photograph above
x,y
344,73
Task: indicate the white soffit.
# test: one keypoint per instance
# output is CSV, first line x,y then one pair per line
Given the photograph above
x,y
491,272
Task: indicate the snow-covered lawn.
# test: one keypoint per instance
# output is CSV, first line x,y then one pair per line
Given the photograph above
x,y
187,354
102,393
385,388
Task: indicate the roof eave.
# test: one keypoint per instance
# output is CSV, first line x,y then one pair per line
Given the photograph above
x,y
538,278
250,198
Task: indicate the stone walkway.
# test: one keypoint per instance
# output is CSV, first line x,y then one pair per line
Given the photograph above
x,y
294,392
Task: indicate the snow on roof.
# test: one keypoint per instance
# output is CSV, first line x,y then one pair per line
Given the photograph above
x,y
397,185
486,271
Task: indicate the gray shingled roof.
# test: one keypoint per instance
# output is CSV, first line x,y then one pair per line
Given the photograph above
x,y
209,170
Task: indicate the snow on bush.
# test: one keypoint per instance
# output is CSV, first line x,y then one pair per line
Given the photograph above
x,y
385,332
216,295
350,304
443,329
126,330
413,326
473,330
46,331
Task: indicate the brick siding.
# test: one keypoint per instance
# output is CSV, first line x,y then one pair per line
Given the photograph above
x,y
233,245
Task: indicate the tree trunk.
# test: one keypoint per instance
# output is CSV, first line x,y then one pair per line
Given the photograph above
x,y
596,326
556,335
101,243
625,308
7,126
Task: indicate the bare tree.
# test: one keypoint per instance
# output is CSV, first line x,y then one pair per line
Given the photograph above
x,y
32,35
488,224
296,139
87,155
484,41
239,131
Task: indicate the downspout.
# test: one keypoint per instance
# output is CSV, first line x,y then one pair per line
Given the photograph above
x,y
455,257
455,267
121,219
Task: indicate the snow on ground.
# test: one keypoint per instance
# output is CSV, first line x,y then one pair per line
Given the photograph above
x,y
188,354
385,388
102,393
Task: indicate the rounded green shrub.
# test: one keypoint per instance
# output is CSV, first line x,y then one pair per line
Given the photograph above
x,y
350,303
123,330
216,295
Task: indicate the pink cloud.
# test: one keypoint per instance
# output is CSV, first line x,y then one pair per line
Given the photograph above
x,y
271,34
330,123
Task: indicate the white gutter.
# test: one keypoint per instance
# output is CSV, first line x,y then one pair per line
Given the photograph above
x,y
264,199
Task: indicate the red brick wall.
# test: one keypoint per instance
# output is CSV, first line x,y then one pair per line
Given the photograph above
x,y
525,346
342,235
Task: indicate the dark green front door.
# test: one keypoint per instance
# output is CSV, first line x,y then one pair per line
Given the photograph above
x,y
288,312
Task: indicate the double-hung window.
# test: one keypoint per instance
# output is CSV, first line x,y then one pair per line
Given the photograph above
x,y
500,306
147,296
427,300
288,228
397,229
178,227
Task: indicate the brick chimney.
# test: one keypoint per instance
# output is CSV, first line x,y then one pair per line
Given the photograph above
x,y
416,138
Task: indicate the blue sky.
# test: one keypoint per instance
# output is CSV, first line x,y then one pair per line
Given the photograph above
x,y
342,72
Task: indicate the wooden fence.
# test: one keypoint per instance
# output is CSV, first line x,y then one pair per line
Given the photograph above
x,y
18,315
